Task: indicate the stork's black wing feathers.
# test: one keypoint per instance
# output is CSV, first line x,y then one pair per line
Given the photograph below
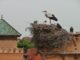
x,y
53,17
71,29
59,26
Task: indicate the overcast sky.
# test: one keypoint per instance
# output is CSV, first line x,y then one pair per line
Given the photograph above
x,y
20,13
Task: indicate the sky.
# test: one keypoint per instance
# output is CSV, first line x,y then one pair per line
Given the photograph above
x,y
20,13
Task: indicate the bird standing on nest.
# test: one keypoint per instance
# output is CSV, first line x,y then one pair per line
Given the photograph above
x,y
50,16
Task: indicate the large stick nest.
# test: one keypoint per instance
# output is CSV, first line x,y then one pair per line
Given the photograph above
x,y
49,36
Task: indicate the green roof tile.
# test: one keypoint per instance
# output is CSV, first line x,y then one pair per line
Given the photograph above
x,y
6,29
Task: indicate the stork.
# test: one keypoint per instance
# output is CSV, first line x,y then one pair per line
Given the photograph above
x,y
59,26
50,16
71,29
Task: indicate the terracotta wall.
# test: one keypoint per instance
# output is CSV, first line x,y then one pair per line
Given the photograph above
x,y
73,48
11,56
8,42
9,50
53,57
65,57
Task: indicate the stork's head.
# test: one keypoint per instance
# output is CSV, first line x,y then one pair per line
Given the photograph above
x,y
44,11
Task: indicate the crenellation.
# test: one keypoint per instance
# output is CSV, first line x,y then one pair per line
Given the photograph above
x,y
11,50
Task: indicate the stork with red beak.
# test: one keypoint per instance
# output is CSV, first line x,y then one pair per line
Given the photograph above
x,y
50,16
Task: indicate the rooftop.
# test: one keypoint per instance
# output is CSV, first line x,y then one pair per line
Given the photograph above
x,y
7,30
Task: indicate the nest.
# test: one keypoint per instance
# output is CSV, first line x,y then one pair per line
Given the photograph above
x,y
49,36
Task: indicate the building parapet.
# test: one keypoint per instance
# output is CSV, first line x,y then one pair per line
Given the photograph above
x,y
11,50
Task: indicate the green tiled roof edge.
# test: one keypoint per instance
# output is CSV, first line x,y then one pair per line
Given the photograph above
x,y
12,31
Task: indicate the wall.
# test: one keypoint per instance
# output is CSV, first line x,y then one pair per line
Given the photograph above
x,y
55,57
61,57
8,48
70,52
13,54
74,46
9,56
8,42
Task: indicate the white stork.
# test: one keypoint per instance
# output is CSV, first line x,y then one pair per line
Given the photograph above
x,y
50,16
